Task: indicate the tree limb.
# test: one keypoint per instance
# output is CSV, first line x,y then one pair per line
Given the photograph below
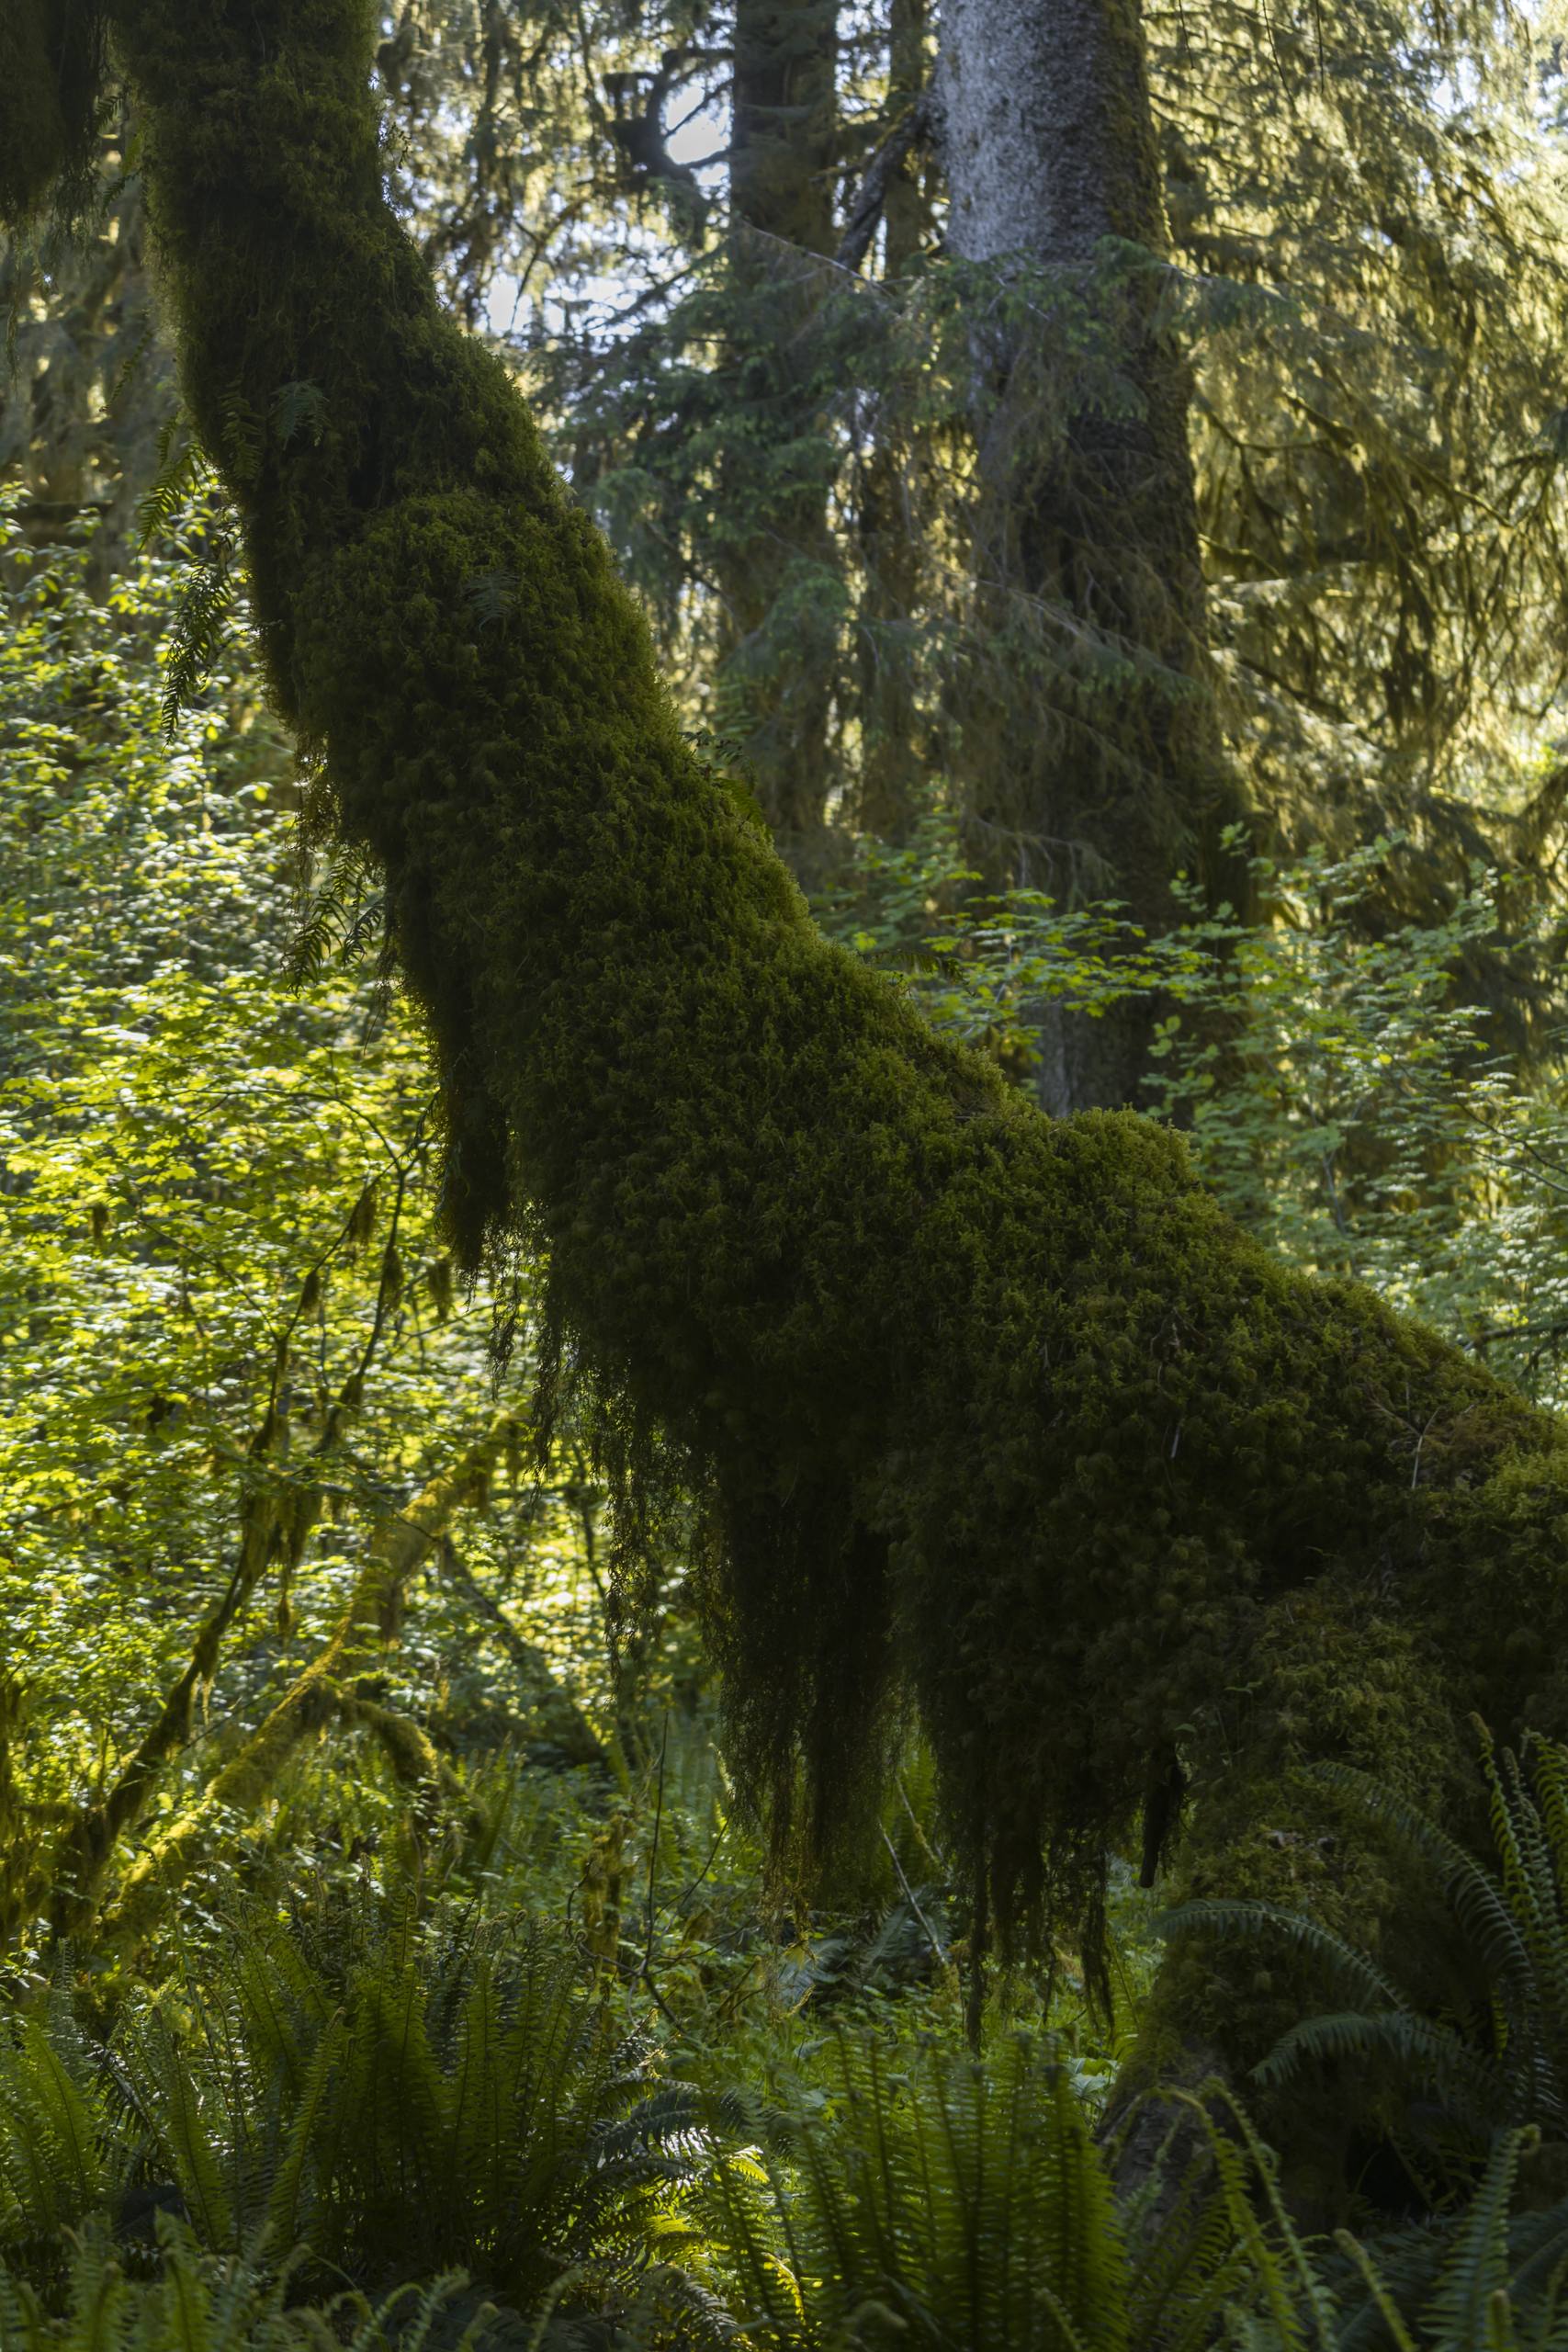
x,y
912,126
71,1879
562,1719
401,1543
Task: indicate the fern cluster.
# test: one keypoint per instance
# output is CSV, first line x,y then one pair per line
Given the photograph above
x,y
354,2102
1479,2045
961,2204
405,2098
956,2203
199,2304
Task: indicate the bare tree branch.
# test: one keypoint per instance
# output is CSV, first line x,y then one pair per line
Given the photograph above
x,y
912,126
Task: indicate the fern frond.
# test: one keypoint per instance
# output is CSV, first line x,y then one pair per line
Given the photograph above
x,y
56,2162
1538,2252
301,2141
242,439
169,2094
1062,2320
375,2331
1476,2271
673,2309
1305,1937
1425,2049
491,596
1282,2276
297,407
1385,2312
479,2117
1549,1770
1531,1889
1188,2272
1091,2255
1477,1901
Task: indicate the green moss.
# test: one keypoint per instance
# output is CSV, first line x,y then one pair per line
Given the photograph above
x,y
1004,1402
52,59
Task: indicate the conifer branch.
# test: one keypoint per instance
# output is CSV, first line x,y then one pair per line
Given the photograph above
x,y
912,127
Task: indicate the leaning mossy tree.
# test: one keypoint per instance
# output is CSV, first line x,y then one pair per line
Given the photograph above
x,y
997,1411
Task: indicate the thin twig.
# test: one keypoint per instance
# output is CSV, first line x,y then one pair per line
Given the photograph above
x,y
692,1885
937,1861
1555,1330
653,1849
911,1898
645,1973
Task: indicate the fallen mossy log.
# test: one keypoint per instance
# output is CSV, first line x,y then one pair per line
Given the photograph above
x,y
1001,1409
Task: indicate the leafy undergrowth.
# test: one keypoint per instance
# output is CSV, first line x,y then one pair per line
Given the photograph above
x,y
423,2107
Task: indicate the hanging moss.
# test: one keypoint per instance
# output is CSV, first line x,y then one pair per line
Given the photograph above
x,y
1007,1401
52,59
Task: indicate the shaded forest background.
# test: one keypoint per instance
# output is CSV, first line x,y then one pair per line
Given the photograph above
x,y
337,1690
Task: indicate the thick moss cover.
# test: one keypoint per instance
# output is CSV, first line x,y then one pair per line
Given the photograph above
x,y
1009,1402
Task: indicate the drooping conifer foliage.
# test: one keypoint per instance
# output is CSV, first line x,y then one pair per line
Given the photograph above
x,y
1003,1408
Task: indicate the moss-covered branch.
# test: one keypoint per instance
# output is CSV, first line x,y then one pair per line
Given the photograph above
x,y
272,1526
322,1694
1006,1399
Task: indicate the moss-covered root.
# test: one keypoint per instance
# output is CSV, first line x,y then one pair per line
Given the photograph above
x,y
1007,1399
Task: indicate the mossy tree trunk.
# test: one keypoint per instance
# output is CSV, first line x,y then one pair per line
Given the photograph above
x,y
892,769
1001,1400
779,625
1091,750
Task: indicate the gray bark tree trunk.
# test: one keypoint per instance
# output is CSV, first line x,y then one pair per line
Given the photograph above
x,y
1093,760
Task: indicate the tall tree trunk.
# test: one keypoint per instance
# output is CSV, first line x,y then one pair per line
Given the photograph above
x,y
775,678
781,156
1094,765
1003,1401
890,761
81,416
